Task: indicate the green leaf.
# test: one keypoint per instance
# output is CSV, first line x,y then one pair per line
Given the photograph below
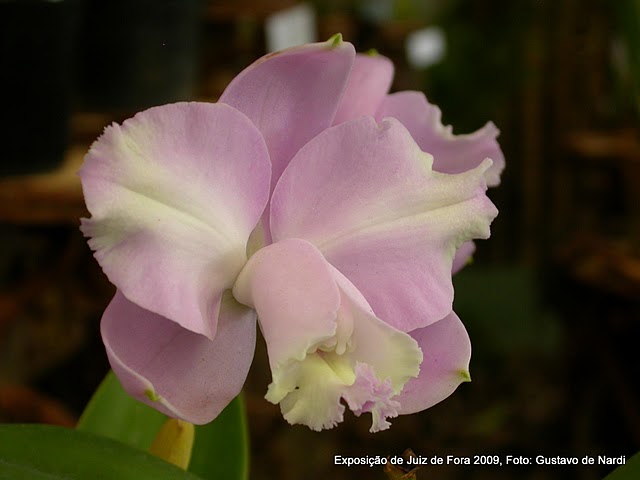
x,y
114,414
34,452
220,450
629,471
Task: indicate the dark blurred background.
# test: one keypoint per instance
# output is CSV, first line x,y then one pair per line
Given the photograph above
x,y
551,301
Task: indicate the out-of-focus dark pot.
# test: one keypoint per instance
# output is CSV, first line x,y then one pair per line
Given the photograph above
x,y
36,72
139,53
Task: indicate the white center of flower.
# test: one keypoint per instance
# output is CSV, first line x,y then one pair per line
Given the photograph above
x,y
313,391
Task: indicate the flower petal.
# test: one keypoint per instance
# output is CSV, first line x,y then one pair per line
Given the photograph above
x,y
386,359
309,391
367,197
366,363
392,353
368,85
447,351
178,372
291,287
452,153
174,194
324,342
463,256
292,95
366,387
296,305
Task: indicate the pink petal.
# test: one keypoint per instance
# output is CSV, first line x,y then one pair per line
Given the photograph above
x,y
174,194
386,359
463,256
367,386
324,343
178,372
452,153
366,196
296,305
446,353
292,95
392,353
368,85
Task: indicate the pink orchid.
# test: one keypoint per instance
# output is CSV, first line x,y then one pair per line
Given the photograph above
x,y
294,201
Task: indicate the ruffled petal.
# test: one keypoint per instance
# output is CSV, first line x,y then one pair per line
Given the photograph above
x,y
386,358
174,194
292,95
309,391
447,351
452,153
366,196
392,353
291,287
368,84
178,372
324,342
366,364
367,386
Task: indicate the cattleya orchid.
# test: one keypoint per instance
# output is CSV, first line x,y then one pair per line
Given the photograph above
x,y
310,200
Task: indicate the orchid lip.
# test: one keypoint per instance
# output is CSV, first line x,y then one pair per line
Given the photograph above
x,y
321,343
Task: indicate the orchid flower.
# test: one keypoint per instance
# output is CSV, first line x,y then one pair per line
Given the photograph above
x,y
304,202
